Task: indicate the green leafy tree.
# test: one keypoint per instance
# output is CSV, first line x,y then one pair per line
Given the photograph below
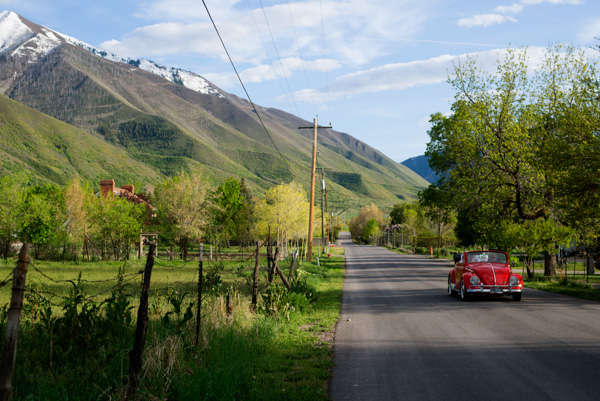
x,y
284,209
497,151
117,223
77,198
371,228
234,209
44,217
183,208
359,223
13,195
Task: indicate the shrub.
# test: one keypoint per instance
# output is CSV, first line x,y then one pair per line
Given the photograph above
x,y
421,250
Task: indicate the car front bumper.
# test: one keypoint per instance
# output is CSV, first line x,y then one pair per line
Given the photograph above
x,y
494,289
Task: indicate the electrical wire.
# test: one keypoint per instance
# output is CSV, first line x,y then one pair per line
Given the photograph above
x,y
243,86
312,98
268,52
325,56
279,57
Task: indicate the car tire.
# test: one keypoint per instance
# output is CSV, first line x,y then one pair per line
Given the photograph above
x,y
516,296
450,290
464,295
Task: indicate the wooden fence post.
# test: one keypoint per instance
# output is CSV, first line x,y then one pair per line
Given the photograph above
x,y
269,257
198,314
135,355
278,270
255,277
9,354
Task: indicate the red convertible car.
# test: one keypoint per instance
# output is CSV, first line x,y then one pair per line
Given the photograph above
x,y
484,272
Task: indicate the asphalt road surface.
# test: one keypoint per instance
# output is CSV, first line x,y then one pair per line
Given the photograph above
x,y
402,337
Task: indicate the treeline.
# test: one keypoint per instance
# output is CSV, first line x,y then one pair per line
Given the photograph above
x,y
519,155
71,222
413,226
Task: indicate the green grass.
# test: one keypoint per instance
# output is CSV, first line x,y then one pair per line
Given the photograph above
x,y
575,286
84,354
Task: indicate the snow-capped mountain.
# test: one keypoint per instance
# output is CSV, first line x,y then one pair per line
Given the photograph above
x,y
183,124
24,39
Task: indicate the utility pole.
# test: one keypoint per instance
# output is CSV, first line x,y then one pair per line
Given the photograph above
x,y
323,210
312,187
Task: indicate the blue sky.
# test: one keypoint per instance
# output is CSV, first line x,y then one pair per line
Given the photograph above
x,y
375,69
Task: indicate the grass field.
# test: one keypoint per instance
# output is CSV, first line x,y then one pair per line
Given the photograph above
x,y
78,322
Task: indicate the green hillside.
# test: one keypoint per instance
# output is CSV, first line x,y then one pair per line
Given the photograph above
x,y
161,127
55,151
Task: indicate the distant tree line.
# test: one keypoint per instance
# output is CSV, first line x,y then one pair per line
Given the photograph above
x,y
183,210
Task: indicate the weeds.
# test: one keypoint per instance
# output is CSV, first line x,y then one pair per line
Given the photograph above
x,y
74,344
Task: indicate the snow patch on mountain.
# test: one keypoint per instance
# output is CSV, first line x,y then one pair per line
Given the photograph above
x,y
15,34
12,31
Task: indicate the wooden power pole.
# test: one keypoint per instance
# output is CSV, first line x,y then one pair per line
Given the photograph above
x,y
315,126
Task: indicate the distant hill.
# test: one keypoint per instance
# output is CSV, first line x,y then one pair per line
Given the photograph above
x,y
158,120
56,152
420,165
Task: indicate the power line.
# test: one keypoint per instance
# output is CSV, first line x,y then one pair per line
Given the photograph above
x,y
268,53
325,56
312,99
279,57
243,86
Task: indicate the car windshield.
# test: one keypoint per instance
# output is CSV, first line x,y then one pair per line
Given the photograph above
x,y
487,256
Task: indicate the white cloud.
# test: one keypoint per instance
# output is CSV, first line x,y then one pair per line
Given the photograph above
x,y
166,38
355,31
533,2
484,20
514,8
265,72
269,72
401,76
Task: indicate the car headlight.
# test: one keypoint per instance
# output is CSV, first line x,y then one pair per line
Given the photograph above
x,y
474,280
514,280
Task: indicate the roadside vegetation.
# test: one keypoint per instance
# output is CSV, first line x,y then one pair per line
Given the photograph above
x,y
517,160
78,326
264,324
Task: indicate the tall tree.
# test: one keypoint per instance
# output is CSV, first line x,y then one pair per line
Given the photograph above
x,y
358,225
234,209
117,223
44,216
497,151
183,207
284,208
77,198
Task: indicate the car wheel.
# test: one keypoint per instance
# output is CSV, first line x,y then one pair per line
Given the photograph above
x,y
464,295
450,290
517,296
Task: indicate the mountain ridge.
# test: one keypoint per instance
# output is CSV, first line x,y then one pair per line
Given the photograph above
x,y
169,126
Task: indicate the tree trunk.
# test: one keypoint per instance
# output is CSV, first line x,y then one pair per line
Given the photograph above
x,y
549,264
528,264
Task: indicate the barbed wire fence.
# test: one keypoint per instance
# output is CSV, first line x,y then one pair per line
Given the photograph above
x,y
39,295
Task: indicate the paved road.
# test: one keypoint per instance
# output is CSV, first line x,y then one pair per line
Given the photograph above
x,y
401,337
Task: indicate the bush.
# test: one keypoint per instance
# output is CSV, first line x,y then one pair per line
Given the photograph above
x,y
421,250
301,286
445,252
514,261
